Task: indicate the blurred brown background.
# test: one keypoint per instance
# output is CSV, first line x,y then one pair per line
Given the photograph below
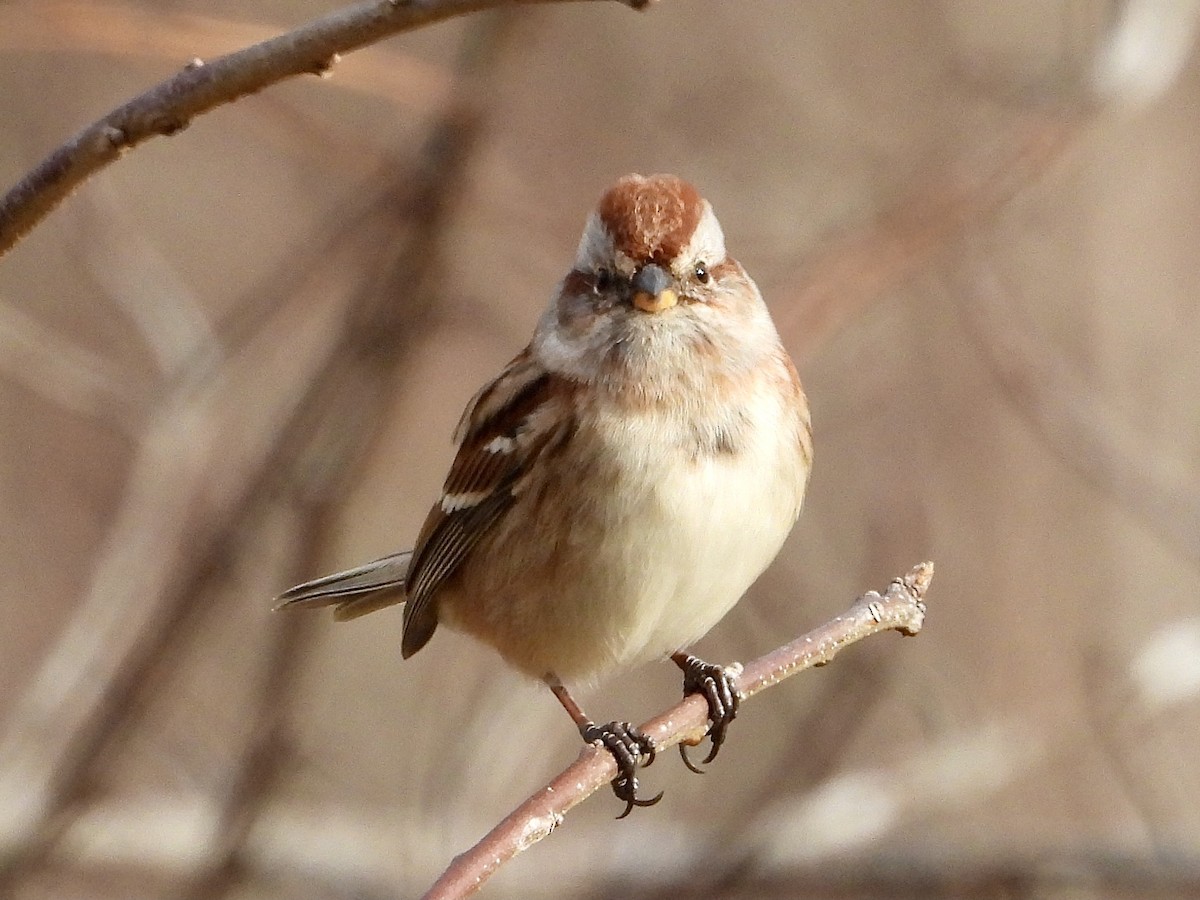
x,y
233,360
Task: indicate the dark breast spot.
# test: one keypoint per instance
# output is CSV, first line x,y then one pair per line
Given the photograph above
x,y
722,438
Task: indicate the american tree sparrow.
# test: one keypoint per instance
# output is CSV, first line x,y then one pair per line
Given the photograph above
x,y
622,482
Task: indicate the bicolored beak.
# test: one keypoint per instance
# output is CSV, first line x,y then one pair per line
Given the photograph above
x,y
651,289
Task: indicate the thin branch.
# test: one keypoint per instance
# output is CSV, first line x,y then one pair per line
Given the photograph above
x,y
900,608
170,106
165,35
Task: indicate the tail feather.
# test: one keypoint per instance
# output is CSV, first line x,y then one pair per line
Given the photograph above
x,y
353,592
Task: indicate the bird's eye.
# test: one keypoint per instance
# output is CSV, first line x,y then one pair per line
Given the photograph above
x,y
701,273
604,279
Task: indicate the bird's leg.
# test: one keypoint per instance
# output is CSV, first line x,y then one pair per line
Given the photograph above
x,y
628,746
715,684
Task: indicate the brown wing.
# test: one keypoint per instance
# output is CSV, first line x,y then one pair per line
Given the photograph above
x,y
498,442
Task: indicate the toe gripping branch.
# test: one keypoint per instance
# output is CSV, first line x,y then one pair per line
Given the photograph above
x,y
715,684
629,747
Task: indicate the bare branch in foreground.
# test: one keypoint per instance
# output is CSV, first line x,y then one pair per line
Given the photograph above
x,y
166,34
169,107
901,608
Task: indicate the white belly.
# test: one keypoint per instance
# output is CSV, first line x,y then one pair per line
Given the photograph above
x,y
703,533
646,564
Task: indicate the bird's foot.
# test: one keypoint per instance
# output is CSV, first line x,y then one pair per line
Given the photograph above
x,y
716,684
630,748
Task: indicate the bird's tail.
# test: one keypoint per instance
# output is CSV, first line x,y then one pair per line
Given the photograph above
x,y
356,591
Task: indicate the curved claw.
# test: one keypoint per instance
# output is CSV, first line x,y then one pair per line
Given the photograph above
x,y
630,748
687,760
632,800
716,684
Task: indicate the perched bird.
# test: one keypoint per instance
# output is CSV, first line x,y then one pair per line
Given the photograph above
x,y
624,479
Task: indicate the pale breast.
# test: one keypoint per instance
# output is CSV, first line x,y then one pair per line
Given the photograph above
x,y
716,521
638,540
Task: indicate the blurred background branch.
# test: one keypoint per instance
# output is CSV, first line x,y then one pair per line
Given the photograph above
x,y
294,455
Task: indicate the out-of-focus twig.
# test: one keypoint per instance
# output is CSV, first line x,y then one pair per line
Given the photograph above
x,y
850,271
448,149
900,608
211,458
199,458
261,759
170,106
1158,487
141,281
67,374
1109,870
953,873
1155,782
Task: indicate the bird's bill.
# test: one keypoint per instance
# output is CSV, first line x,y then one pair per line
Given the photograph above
x,y
653,303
